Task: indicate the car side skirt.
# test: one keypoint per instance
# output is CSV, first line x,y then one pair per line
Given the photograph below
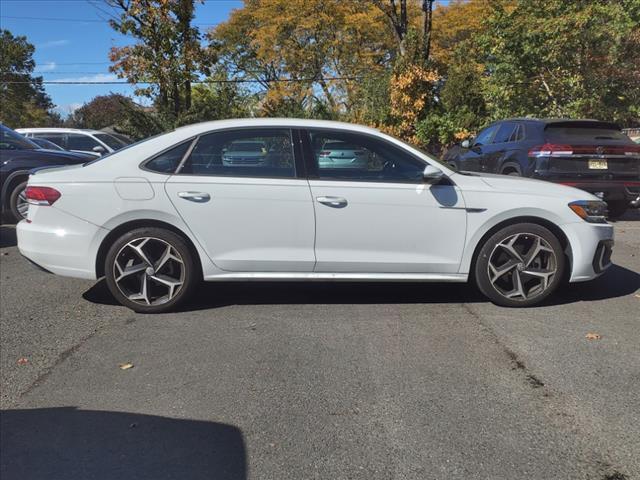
x,y
328,276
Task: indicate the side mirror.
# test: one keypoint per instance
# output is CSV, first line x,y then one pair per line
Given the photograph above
x,y
99,149
432,174
466,144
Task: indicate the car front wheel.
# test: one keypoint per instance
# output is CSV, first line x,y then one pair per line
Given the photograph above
x,y
520,265
150,270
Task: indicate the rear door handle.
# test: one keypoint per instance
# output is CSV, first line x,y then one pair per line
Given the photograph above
x,y
335,202
198,197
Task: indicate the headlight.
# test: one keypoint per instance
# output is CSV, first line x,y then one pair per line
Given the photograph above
x,y
592,211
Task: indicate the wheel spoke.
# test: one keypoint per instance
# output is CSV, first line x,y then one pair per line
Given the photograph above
x,y
168,255
498,272
542,274
140,252
518,290
170,283
143,295
509,248
130,270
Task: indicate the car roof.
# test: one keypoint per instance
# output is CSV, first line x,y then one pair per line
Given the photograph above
x,y
549,121
274,122
58,130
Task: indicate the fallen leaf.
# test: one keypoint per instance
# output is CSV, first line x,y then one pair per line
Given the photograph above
x,y
5,254
592,336
637,295
23,361
125,366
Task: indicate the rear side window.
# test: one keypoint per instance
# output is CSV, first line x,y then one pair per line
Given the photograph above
x,y
77,141
168,161
518,133
255,152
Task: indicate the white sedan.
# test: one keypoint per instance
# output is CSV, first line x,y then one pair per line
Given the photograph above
x,y
158,217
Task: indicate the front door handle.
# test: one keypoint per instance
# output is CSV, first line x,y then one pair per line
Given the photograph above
x,y
198,197
335,202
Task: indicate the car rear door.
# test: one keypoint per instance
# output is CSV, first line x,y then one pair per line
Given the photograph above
x,y
247,217
473,159
381,217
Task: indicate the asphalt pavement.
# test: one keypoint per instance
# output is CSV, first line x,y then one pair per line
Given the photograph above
x,y
320,380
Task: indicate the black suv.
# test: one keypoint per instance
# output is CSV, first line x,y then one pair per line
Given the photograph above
x,y
18,155
588,154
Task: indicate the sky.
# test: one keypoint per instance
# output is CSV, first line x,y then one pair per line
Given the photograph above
x,y
73,39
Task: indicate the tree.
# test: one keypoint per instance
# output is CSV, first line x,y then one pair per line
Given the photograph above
x,y
563,59
103,111
169,54
295,49
24,101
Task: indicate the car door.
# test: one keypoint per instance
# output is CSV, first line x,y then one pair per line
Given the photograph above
x,y
253,216
496,152
473,159
380,216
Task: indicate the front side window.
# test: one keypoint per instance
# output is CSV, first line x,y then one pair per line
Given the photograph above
x,y
254,152
77,141
485,136
504,133
351,156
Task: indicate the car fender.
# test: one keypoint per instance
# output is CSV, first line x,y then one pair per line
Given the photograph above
x,y
150,215
478,227
7,182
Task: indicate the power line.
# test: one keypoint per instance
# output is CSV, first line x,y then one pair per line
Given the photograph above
x,y
237,80
81,20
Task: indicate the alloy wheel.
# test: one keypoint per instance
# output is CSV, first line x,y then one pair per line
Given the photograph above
x,y
522,266
149,271
22,206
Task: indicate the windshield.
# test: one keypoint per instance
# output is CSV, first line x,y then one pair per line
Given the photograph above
x,y
112,142
10,140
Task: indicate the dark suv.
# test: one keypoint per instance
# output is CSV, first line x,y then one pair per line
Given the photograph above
x,y
588,154
18,155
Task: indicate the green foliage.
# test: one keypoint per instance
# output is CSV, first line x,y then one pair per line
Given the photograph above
x,y
563,59
103,111
24,102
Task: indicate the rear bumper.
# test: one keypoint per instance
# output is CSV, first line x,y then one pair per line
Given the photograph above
x,y
613,189
58,242
591,248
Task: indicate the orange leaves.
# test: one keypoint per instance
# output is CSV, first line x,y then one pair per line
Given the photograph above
x,y
411,93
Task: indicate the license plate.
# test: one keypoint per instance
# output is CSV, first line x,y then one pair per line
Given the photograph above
x,y
598,165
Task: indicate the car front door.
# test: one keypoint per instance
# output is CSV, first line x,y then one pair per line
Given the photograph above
x,y
380,216
473,159
252,214
495,153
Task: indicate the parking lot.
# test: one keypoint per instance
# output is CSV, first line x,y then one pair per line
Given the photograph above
x,y
319,380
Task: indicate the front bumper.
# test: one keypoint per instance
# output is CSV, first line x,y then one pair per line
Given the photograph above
x,y
591,248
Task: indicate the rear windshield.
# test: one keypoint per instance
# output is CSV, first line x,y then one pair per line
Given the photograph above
x,y
339,146
576,134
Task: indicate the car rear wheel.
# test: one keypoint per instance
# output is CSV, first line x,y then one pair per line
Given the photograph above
x,y
520,265
150,270
18,206
617,208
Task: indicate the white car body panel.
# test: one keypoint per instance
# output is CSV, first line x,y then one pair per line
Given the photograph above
x,y
389,227
268,224
259,229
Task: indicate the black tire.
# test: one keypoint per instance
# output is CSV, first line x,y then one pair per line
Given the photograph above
x,y
159,238
536,294
14,213
617,208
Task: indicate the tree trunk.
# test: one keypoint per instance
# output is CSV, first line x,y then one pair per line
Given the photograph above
x,y
427,8
187,95
176,99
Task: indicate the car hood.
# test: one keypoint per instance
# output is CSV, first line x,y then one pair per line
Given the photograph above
x,y
519,185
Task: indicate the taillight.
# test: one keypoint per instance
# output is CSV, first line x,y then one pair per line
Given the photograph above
x,y
43,196
550,149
